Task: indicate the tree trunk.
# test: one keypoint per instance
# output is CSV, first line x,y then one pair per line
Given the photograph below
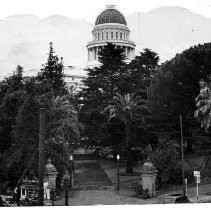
x,y
129,166
189,146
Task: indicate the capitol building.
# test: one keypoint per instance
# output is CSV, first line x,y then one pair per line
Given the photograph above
x,y
110,26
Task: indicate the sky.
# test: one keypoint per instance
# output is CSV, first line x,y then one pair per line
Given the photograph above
x,y
87,9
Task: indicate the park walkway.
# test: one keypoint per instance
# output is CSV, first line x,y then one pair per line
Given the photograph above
x,y
93,187
89,175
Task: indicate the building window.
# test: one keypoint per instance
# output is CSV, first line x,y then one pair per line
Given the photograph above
x,y
102,35
98,36
112,35
124,35
106,35
116,35
120,35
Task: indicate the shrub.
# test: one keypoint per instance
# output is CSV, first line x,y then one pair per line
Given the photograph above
x,y
165,158
145,194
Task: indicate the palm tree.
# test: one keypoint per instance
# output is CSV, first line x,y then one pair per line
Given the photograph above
x,y
203,104
124,108
203,114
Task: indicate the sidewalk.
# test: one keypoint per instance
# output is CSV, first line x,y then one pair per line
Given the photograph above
x,y
204,193
201,199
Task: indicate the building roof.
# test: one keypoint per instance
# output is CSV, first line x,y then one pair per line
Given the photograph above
x,y
110,15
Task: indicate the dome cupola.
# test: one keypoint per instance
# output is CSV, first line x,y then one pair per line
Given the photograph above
x,y
110,15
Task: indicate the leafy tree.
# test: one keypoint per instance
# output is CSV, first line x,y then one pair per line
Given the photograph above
x,y
173,90
165,158
140,71
112,77
62,128
124,108
203,103
52,71
21,99
11,97
102,84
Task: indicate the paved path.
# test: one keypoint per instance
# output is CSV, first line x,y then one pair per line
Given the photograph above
x,y
89,175
103,197
93,197
93,187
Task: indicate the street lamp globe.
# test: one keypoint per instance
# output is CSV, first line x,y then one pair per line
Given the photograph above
x,y
71,157
118,157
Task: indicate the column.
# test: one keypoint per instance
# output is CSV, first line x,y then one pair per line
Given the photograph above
x,y
129,53
133,52
93,54
97,50
126,53
88,54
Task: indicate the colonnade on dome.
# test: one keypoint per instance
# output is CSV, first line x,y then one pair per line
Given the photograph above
x,y
93,52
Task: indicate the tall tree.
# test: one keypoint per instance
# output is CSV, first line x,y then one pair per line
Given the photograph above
x,y
11,97
102,84
124,108
203,104
173,90
52,71
140,71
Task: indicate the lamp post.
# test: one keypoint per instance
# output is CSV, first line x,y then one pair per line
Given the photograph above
x,y
118,177
66,183
42,122
182,151
71,171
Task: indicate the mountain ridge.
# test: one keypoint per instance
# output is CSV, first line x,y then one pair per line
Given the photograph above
x,y
166,30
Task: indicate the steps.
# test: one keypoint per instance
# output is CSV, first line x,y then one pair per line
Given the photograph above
x,y
90,176
85,157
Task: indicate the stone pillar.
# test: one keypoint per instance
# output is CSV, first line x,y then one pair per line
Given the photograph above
x,y
50,174
148,175
48,194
